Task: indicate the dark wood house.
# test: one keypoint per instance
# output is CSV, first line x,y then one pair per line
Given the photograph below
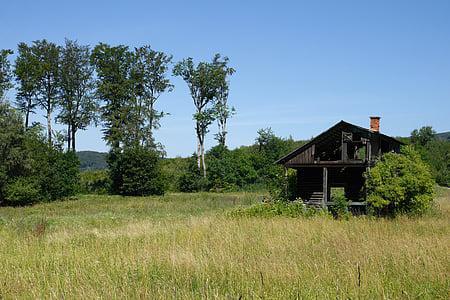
x,y
338,158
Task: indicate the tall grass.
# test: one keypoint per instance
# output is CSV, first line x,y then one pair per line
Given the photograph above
x,y
184,246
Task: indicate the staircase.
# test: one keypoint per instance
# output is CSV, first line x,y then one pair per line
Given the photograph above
x,y
315,199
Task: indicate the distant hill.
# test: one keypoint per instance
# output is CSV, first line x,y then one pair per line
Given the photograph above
x,y
92,160
445,136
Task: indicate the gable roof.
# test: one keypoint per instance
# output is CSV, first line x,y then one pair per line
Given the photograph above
x,y
338,126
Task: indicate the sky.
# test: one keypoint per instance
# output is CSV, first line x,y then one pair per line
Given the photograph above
x,y
301,66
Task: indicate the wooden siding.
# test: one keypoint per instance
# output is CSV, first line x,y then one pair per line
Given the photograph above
x,y
305,157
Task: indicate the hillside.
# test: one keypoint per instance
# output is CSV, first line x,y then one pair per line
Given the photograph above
x,y
92,160
445,136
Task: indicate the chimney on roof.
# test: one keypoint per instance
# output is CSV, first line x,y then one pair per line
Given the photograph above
x,y
375,124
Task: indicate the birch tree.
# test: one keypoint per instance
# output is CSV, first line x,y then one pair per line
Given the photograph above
x,y
202,81
222,110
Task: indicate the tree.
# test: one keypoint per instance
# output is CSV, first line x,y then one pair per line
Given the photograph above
x,y
5,73
222,110
26,77
115,88
400,183
136,171
76,100
435,152
47,69
204,81
31,170
423,135
149,75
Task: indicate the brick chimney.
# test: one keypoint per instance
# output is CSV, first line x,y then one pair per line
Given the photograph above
x,y
375,124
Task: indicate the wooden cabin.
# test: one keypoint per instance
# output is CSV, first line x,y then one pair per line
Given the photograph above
x,y
338,158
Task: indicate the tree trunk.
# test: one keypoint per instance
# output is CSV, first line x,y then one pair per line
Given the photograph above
x,y
69,135
74,132
49,126
199,151
203,161
27,117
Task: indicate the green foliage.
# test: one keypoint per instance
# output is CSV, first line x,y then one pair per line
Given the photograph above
x,y
47,78
30,169
26,73
95,182
76,86
422,136
208,85
191,180
229,170
340,207
23,190
136,171
435,152
5,72
400,183
293,209
245,168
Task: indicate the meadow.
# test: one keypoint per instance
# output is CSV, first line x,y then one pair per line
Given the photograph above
x,y
185,246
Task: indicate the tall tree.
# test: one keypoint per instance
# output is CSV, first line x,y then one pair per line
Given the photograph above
x,y
5,73
26,77
150,81
222,109
113,66
48,62
77,102
203,83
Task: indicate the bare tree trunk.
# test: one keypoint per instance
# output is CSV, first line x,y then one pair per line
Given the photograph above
x,y
74,132
27,117
203,160
69,135
49,125
198,154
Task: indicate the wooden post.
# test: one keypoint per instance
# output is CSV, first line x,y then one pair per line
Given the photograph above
x,y
325,187
286,183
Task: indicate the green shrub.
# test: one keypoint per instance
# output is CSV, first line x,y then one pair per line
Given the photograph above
x,y
400,183
293,209
23,190
191,180
95,182
136,171
31,170
340,206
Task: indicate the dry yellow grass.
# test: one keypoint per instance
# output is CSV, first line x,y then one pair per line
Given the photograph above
x,y
182,246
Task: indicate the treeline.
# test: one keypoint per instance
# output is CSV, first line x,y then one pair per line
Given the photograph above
x,y
434,151
247,168
117,87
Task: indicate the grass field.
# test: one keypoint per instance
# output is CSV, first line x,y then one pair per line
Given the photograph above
x,y
183,246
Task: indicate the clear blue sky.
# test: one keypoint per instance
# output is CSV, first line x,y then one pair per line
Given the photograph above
x,y
301,66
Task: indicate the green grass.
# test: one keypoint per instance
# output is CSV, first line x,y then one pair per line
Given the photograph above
x,y
186,246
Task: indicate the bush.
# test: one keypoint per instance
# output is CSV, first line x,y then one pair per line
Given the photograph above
x,y
30,169
22,191
60,176
400,183
293,209
190,180
136,171
95,182
339,209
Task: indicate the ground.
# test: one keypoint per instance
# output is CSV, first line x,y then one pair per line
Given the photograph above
x,y
184,246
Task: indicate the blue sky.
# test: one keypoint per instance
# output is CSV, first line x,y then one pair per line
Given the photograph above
x,y
301,66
